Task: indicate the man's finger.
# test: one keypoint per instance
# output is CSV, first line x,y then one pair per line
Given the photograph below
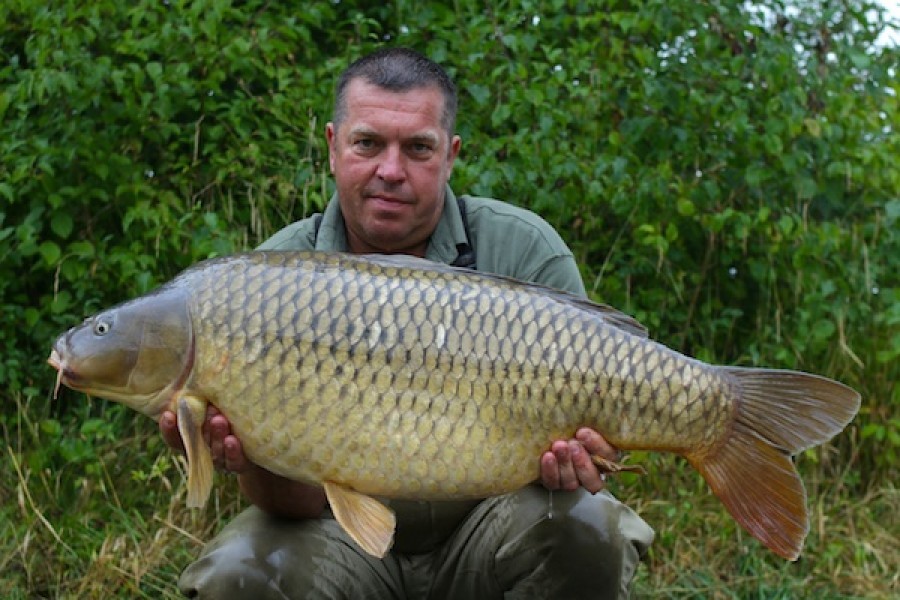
x,y
596,444
218,429
211,412
235,459
549,471
567,478
585,470
168,427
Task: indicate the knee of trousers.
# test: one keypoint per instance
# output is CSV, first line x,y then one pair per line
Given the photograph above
x,y
234,569
257,556
583,525
572,541
606,521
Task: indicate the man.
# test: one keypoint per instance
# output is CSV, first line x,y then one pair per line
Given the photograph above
x,y
391,150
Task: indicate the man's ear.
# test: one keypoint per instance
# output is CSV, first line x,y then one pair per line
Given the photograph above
x,y
453,152
330,138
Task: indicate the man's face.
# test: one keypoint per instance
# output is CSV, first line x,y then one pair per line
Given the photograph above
x,y
391,160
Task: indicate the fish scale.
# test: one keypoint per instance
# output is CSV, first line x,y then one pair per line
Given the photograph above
x,y
321,317
396,377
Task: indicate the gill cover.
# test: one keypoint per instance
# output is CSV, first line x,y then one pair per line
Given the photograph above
x,y
135,353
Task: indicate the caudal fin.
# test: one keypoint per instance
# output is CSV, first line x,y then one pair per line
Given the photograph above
x,y
779,413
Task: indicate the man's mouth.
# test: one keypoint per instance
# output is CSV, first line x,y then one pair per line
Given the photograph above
x,y
385,198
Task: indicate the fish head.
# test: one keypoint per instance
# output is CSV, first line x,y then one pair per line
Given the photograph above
x,y
136,353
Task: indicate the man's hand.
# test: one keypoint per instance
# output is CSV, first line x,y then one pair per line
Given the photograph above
x,y
568,465
227,453
270,492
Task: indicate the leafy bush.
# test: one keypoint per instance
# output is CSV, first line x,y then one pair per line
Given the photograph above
x,y
730,181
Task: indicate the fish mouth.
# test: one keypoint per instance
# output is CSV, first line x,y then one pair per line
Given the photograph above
x,y
64,375
67,376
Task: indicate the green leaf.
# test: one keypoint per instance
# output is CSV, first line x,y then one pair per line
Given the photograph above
x,y
873,430
805,187
480,93
154,69
756,175
61,224
32,316
535,96
686,208
859,58
814,127
4,103
823,330
82,249
786,224
93,427
50,252
671,232
61,302
892,211
773,144
51,427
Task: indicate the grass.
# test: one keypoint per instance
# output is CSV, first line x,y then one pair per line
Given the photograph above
x,y
93,506
852,550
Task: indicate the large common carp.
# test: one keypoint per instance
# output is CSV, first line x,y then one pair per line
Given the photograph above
x,y
396,377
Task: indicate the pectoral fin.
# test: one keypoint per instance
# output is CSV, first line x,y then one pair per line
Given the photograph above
x,y
191,413
369,522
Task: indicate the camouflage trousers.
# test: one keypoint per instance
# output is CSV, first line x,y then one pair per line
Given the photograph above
x,y
529,544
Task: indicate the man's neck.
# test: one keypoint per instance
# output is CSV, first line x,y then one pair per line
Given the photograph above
x,y
357,246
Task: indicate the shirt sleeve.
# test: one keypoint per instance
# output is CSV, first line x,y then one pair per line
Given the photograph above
x,y
518,243
296,236
561,272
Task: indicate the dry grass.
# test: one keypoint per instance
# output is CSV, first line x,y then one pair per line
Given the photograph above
x,y
852,550
108,522
105,549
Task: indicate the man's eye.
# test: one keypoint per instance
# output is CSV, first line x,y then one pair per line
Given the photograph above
x,y
420,149
364,144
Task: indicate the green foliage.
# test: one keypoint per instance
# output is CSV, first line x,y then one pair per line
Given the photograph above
x,y
138,138
727,176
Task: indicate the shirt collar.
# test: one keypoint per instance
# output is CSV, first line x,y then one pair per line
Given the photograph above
x,y
443,245
332,235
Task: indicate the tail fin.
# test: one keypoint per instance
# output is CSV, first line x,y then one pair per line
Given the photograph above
x,y
779,413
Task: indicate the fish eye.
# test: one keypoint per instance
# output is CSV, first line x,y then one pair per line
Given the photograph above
x,y
102,327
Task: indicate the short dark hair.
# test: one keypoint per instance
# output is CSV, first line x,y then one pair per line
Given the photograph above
x,y
397,70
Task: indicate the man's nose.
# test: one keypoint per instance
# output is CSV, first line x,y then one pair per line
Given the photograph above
x,y
391,168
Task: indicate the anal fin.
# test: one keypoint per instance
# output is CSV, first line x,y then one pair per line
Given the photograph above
x,y
369,522
191,414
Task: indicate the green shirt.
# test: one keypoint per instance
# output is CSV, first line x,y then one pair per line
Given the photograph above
x,y
507,240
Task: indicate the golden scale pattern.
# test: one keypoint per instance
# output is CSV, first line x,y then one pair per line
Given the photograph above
x,y
429,382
